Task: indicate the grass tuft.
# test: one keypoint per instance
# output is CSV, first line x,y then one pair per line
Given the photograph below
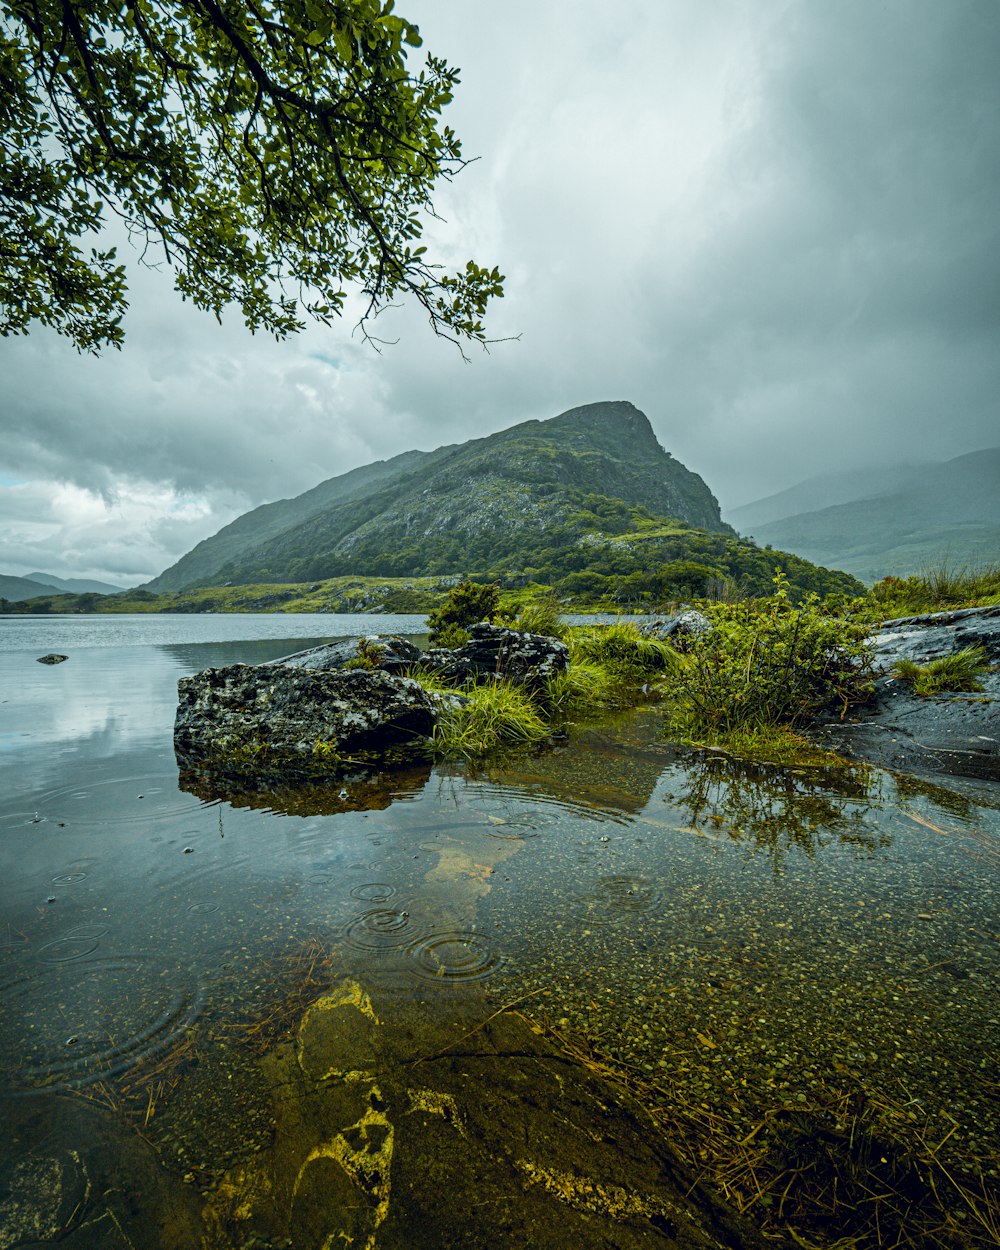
x,y
938,588
494,717
958,672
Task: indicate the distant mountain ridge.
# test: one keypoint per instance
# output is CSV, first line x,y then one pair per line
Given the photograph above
x,y
507,497
921,516
19,589
74,585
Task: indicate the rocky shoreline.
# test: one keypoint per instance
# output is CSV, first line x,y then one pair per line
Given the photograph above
x,y
955,734
356,696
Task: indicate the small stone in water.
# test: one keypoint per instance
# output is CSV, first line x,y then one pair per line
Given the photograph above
x,y
51,898
189,850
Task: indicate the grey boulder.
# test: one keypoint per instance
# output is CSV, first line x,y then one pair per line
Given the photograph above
x,y
496,652
290,709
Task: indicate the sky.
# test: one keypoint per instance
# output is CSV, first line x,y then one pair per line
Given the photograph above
x,y
773,225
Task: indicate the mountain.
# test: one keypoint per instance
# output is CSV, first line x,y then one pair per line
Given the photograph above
x,y
74,585
203,562
503,500
920,517
824,491
17,589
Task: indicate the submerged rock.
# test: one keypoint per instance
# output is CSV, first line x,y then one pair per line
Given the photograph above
x,y
494,651
52,658
288,709
950,733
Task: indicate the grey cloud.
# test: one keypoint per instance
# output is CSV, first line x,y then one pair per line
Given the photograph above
x,y
773,227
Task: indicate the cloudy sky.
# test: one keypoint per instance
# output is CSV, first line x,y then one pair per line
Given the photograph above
x,y
771,224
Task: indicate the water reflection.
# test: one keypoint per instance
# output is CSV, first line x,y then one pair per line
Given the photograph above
x,y
773,810
183,979
302,793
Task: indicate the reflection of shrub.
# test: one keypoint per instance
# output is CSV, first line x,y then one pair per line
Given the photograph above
x,y
467,603
767,662
959,671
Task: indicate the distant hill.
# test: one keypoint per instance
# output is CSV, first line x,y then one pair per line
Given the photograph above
x,y
824,491
17,589
920,517
75,585
495,499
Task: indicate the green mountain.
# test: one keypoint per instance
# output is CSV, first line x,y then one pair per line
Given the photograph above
x,y
588,502
201,565
18,589
919,517
490,499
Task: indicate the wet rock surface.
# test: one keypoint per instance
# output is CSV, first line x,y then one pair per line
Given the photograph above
x,y
484,1138
494,651
391,654
52,658
947,733
289,710
680,629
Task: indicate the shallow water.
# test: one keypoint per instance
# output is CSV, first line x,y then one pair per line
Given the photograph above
x,y
746,931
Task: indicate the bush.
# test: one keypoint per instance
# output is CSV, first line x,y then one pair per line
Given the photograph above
x,y
467,603
766,662
959,671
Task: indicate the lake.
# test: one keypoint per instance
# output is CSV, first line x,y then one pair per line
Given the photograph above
x,y
763,957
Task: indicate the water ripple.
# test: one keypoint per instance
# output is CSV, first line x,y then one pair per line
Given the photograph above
x,y
55,1035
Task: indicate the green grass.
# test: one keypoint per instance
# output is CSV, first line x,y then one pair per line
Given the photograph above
x,y
623,650
495,716
958,672
938,588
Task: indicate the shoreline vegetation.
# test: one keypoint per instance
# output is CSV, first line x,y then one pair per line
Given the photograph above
x,y
934,589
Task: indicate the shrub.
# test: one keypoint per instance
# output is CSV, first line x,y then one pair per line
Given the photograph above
x,y
467,603
959,671
767,662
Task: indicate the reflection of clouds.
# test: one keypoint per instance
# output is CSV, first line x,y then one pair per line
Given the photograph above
x,y
102,700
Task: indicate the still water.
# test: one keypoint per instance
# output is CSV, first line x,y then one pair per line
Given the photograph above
x,y
177,948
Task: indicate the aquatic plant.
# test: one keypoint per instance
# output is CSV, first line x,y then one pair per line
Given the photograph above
x,y
959,671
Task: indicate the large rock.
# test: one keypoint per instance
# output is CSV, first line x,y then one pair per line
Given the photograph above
x,y
389,653
288,710
494,651
957,734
